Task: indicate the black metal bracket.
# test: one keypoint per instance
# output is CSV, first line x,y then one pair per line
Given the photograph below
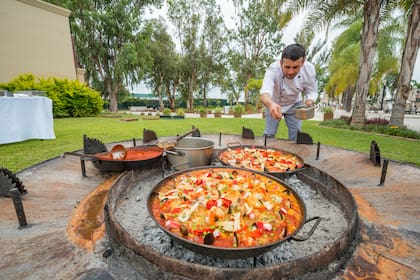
x,y
383,173
196,132
20,212
149,135
318,147
304,138
93,146
375,154
9,180
247,133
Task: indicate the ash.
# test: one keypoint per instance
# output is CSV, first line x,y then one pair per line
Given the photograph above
x,y
133,216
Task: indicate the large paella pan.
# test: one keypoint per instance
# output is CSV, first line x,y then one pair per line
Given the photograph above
x,y
226,212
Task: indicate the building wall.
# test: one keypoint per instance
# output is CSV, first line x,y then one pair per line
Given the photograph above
x,y
35,38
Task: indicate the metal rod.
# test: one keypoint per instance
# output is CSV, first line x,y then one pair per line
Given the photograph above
x,y
83,166
317,150
134,142
265,140
383,174
20,212
220,139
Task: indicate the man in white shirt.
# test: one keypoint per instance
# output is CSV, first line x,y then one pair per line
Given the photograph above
x,y
284,82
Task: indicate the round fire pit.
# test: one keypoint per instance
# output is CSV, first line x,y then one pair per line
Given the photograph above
x,y
131,229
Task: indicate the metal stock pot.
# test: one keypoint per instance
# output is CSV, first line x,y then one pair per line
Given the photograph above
x,y
191,152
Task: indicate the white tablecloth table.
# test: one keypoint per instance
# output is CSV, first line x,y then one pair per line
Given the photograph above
x,y
25,117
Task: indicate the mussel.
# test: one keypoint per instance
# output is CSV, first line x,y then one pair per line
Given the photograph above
x,y
209,238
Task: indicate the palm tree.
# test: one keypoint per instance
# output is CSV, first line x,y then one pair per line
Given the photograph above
x,y
323,13
407,66
343,67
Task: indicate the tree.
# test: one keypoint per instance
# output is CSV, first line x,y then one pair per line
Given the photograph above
x,y
186,17
211,51
164,61
325,12
343,66
256,40
111,42
407,64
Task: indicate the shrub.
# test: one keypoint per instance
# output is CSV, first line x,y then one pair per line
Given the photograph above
x,y
166,112
70,98
377,121
328,110
382,129
180,112
202,110
238,109
346,119
217,110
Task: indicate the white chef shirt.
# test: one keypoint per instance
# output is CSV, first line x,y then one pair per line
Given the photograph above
x,y
287,92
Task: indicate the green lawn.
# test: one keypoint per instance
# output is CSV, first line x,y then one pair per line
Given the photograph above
x,y
69,137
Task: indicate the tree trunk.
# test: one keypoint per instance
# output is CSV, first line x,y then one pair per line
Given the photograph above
x,y
191,89
112,93
205,96
347,98
382,98
169,95
246,91
407,66
173,95
367,54
159,93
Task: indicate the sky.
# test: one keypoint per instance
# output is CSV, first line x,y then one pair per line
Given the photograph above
x,y
291,30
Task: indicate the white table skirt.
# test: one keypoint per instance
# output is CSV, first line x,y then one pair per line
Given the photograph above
x,y
26,117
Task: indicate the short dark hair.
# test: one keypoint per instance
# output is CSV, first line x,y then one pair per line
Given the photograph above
x,y
293,52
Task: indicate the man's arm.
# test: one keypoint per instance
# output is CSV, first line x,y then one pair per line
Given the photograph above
x,y
311,91
273,108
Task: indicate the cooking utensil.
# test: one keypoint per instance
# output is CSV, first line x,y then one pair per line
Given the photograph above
x,y
233,252
118,152
167,144
190,152
304,113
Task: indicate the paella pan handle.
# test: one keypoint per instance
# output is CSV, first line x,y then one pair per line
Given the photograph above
x,y
82,156
234,144
180,164
175,153
303,238
294,171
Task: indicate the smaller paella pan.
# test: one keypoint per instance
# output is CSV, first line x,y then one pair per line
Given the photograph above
x,y
121,158
261,158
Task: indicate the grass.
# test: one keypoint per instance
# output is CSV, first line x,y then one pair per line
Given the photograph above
x,y
69,137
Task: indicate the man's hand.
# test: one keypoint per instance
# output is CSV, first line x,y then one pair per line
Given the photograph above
x,y
273,108
275,111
